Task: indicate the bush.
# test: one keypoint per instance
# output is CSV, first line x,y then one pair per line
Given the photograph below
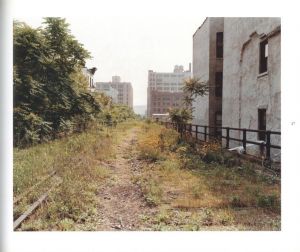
x,y
235,201
155,141
213,157
267,201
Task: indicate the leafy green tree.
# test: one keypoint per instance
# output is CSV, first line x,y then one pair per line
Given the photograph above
x,y
50,91
193,88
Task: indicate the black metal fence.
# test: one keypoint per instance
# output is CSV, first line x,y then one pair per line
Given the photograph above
x,y
194,129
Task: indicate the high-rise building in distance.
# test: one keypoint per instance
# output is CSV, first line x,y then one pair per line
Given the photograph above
x,y
165,90
124,90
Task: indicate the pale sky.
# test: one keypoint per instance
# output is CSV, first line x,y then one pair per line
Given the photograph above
x,y
130,46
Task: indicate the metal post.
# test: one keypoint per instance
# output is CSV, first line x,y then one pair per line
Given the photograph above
x,y
244,139
227,138
196,132
268,145
205,133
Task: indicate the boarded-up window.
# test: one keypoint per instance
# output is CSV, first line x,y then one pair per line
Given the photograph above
x,y
262,123
263,56
218,84
218,123
219,45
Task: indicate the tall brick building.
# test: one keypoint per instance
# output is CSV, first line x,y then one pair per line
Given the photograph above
x,y
165,90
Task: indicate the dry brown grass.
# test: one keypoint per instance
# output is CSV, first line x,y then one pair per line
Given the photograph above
x,y
78,162
218,197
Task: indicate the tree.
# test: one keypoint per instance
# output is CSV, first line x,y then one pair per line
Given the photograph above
x,y
192,88
50,91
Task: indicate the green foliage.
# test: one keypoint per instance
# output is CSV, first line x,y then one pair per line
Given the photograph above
x,y
193,87
180,116
268,201
51,96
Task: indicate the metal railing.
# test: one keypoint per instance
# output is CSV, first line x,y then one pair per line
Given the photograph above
x,y
194,128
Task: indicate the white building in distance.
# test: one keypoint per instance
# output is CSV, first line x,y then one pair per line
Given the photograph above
x,y
89,74
124,90
108,90
165,89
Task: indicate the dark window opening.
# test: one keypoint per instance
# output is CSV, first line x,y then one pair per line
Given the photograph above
x,y
263,56
218,84
219,45
218,123
262,124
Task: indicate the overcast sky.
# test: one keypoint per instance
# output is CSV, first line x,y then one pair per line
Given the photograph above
x,y
129,46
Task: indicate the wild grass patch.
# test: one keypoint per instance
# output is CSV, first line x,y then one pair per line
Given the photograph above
x,y
212,184
77,162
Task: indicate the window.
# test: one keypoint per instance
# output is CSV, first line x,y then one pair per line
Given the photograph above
x,y
218,84
218,123
262,123
263,56
219,45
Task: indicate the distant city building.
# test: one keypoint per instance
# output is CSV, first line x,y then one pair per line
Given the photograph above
x,y
124,90
108,90
89,73
165,90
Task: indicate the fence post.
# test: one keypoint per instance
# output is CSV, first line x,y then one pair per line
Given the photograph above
x,y
268,145
244,139
190,129
205,132
227,138
196,132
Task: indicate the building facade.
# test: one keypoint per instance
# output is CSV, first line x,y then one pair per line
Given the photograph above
x,y
252,76
165,90
248,74
208,67
124,90
108,90
89,74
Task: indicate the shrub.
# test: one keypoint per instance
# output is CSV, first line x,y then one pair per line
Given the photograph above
x,y
213,157
152,192
267,201
235,201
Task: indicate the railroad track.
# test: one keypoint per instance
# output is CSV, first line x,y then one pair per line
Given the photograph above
x,y
30,210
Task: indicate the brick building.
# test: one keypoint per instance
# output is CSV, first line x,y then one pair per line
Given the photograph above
x,y
165,90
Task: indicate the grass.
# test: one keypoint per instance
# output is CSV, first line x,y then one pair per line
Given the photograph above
x,y
204,188
77,162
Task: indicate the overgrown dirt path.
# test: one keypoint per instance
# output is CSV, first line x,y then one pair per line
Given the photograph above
x,y
120,200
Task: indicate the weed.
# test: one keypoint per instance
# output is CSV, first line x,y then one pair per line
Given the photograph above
x,y
267,201
76,161
162,217
235,201
225,218
66,224
207,219
152,192
197,191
